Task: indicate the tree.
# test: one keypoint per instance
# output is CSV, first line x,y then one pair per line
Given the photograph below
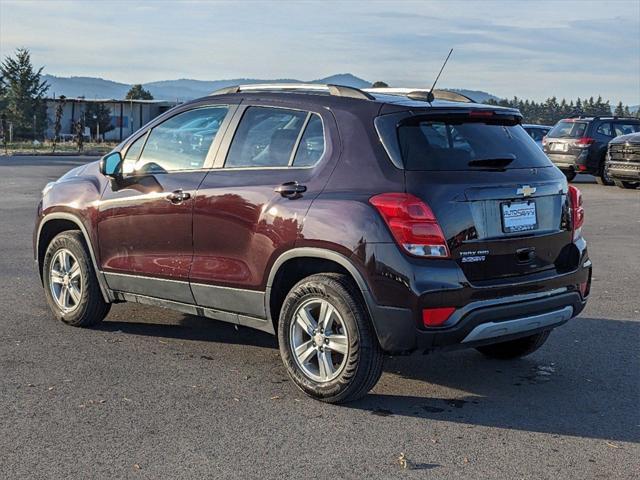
x,y
79,130
619,111
57,123
4,128
97,114
379,84
137,92
23,93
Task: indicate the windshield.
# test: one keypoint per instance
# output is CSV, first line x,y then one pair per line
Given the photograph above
x,y
438,145
568,129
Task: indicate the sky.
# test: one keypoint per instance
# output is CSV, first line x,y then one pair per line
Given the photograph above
x,y
531,49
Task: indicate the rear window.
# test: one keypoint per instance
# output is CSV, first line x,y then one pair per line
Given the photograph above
x,y
438,145
566,129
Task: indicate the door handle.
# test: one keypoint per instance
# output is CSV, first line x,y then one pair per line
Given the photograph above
x,y
178,196
290,189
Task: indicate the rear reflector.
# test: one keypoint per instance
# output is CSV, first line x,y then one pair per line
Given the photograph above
x,y
412,223
435,317
584,289
577,210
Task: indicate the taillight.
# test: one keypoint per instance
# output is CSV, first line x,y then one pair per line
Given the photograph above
x,y
583,142
435,317
412,223
577,210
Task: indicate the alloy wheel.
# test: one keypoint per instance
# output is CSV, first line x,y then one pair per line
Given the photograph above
x,y
319,340
65,280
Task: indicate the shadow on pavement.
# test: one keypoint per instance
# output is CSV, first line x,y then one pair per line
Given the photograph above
x,y
195,328
590,388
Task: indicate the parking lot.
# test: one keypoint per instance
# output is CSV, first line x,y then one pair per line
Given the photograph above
x,y
159,394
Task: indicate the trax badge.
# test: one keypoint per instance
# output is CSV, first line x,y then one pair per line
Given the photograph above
x,y
526,191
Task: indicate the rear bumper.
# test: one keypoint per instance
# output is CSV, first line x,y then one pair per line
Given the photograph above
x,y
483,323
485,314
581,162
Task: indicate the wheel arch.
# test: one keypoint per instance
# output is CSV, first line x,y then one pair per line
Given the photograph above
x,y
305,261
55,223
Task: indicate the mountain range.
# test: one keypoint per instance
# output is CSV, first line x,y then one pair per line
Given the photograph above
x,y
186,89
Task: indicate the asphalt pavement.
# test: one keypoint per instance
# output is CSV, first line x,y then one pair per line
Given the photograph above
x,y
158,394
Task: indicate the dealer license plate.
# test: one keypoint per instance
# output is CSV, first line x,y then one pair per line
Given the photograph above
x,y
519,216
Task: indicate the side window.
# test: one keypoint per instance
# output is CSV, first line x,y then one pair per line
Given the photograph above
x,y
536,133
604,129
265,137
311,145
181,142
132,155
625,128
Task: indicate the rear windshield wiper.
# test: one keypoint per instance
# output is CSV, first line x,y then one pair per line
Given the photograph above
x,y
497,163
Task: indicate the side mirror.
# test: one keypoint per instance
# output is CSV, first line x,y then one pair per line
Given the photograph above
x,y
111,165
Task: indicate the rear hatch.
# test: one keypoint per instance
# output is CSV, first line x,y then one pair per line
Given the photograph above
x,y
566,140
500,202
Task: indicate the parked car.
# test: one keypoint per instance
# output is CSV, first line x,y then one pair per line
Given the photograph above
x,y
348,223
537,132
623,160
579,145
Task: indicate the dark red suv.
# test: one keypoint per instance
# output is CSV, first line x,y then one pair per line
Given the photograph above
x,y
348,222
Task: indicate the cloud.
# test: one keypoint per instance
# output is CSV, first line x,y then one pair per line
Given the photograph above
x,y
533,49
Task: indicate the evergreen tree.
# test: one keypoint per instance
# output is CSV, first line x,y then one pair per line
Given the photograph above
x,y
22,94
98,114
138,92
619,111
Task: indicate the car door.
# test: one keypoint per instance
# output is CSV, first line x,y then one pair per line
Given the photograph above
x,y
145,218
249,209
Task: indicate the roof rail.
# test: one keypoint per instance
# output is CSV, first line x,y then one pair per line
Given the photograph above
x,y
601,117
335,90
422,94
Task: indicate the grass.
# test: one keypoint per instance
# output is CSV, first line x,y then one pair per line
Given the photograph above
x,y
46,148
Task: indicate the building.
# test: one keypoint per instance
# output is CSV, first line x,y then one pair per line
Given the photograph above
x,y
127,116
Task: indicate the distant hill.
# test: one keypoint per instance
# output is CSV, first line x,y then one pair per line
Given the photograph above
x,y
477,95
187,89
181,90
89,87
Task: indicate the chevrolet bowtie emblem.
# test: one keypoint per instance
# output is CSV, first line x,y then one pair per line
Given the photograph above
x,y
526,191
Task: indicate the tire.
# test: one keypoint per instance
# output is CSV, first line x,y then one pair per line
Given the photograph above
x,y
358,369
626,185
515,348
570,174
603,177
85,307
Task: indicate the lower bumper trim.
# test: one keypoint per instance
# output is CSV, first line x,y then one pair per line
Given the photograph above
x,y
510,327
